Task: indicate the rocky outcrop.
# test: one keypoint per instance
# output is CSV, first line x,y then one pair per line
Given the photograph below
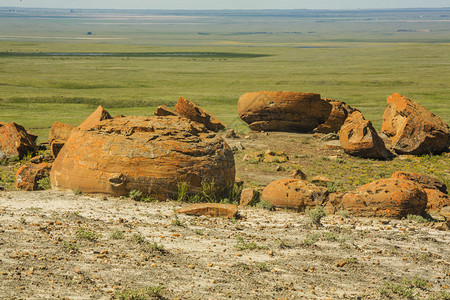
x,y
413,129
358,138
283,111
195,113
60,131
339,113
98,115
28,175
150,154
386,198
163,111
426,181
16,141
210,210
294,193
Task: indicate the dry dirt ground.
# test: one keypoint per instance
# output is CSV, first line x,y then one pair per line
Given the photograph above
x,y
58,245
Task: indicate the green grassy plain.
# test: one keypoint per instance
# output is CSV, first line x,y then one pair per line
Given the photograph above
x,y
356,57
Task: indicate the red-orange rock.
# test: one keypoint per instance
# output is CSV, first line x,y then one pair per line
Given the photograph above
x,y
28,175
390,198
358,138
16,141
195,113
426,181
436,199
60,131
98,115
336,119
283,111
150,154
248,195
163,110
210,210
294,193
412,128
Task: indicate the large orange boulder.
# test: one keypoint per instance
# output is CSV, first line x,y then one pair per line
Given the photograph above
x,y
386,198
98,115
16,141
426,181
60,131
358,138
150,154
294,193
339,113
283,111
195,113
28,175
412,128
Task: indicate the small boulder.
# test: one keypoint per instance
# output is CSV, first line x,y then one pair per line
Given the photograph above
x,y
16,141
298,174
386,198
436,200
195,113
60,131
275,157
248,195
210,210
163,110
294,193
98,115
412,128
231,134
28,175
283,111
339,112
358,138
426,181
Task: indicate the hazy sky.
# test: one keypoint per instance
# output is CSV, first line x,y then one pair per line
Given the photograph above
x,y
227,4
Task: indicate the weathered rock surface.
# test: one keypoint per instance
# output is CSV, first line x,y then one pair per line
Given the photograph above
x,y
150,154
339,112
445,212
163,110
294,193
298,174
248,195
28,175
195,113
283,111
390,198
436,200
210,210
98,115
16,141
412,128
426,181
358,138
60,131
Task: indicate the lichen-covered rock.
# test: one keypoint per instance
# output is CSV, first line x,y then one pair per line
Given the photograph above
x,y
436,200
210,210
163,110
16,141
98,115
294,193
195,113
426,181
358,138
337,117
283,111
412,128
150,154
60,131
386,198
28,175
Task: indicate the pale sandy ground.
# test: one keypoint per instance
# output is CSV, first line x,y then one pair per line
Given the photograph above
x,y
39,258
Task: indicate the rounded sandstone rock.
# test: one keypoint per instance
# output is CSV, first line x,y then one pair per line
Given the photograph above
x,y
151,154
283,111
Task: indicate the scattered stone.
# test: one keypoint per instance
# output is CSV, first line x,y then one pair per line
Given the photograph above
x,y
317,135
238,147
28,175
341,263
337,117
283,111
98,115
334,203
149,154
294,193
275,157
210,210
16,141
254,156
386,198
298,174
330,137
195,113
358,138
413,129
163,111
231,134
248,196
60,131
426,181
